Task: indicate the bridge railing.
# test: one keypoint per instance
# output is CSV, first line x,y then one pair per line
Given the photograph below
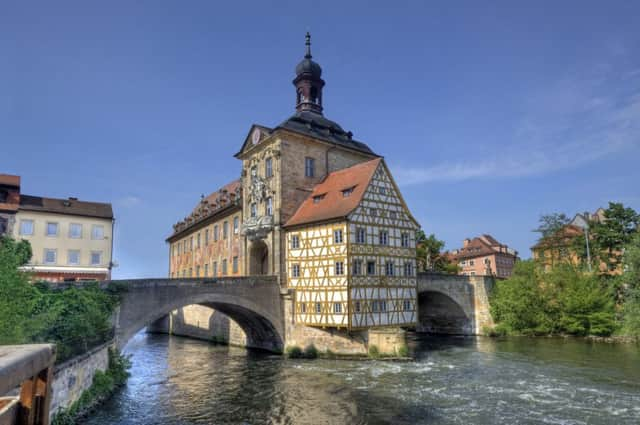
x,y
29,367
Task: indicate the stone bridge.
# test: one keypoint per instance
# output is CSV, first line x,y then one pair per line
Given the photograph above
x,y
454,304
254,303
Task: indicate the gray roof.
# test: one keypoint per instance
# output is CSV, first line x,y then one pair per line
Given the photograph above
x,y
66,206
317,126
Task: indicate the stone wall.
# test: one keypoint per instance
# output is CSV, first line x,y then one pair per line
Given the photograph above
x,y
74,376
201,322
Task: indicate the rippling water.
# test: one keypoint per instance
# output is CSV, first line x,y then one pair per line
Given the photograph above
x,y
452,381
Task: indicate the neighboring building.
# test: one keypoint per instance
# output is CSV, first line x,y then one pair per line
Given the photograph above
x,y
283,171
208,242
561,247
484,256
70,239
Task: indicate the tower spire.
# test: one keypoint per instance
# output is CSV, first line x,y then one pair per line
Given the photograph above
x,y
308,82
308,46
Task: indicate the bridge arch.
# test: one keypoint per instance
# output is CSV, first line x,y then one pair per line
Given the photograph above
x,y
439,313
253,304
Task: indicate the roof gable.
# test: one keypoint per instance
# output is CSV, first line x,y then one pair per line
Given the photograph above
x,y
248,140
327,200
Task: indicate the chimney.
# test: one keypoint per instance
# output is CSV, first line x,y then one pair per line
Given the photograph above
x,y
466,242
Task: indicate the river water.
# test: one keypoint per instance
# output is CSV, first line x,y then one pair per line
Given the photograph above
x,y
452,381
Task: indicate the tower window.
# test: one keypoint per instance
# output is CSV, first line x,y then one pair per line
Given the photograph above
x,y
4,195
268,167
314,94
309,167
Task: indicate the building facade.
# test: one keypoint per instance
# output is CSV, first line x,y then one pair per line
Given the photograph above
x,y
70,239
284,169
484,256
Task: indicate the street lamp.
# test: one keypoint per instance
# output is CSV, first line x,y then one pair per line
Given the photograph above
x,y
586,238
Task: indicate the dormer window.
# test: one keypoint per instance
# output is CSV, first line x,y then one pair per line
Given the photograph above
x,y
318,198
347,192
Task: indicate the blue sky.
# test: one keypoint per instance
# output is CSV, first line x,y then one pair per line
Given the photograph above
x,y
488,114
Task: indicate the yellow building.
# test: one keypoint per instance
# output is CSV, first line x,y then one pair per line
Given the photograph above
x,y
351,252
70,239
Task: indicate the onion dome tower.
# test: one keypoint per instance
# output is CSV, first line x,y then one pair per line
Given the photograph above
x,y
308,82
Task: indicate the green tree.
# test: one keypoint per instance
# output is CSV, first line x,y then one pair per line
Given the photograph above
x,y
549,224
429,254
564,300
613,233
17,298
630,281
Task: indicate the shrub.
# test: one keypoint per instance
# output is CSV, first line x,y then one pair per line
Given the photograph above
x,y
403,351
373,351
310,352
294,352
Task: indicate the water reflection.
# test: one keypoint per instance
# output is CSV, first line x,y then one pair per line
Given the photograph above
x,y
452,381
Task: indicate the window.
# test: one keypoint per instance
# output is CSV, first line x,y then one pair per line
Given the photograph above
x,y
254,210
4,195
190,272
393,214
371,268
75,231
268,167
295,270
185,246
405,240
216,233
52,229
473,273
191,243
406,305
383,305
373,212
206,237
472,263
337,308
225,230
375,306
295,242
339,268
357,307
337,236
73,257
389,268
206,270
303,308
26,227
318,198
224,267
347,192
269,206
50,256
97,232
309,167
318,307
383,237
215,269
197,271
235,265
408,269
361,235
236,225
198,241
357,267
383,190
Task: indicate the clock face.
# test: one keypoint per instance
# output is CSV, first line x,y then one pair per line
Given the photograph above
x,y
255,137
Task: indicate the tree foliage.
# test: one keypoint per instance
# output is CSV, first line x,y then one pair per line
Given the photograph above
x,y
430,256
630,281
75,319
550,224
613,233
564,300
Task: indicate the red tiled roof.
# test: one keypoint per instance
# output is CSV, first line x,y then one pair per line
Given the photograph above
x,y
478,247
334,204
66,206
217,197
10,180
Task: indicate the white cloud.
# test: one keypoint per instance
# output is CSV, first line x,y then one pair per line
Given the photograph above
x,y
573,122
129,201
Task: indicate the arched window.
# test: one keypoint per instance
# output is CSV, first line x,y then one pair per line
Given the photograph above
x,y
314,94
